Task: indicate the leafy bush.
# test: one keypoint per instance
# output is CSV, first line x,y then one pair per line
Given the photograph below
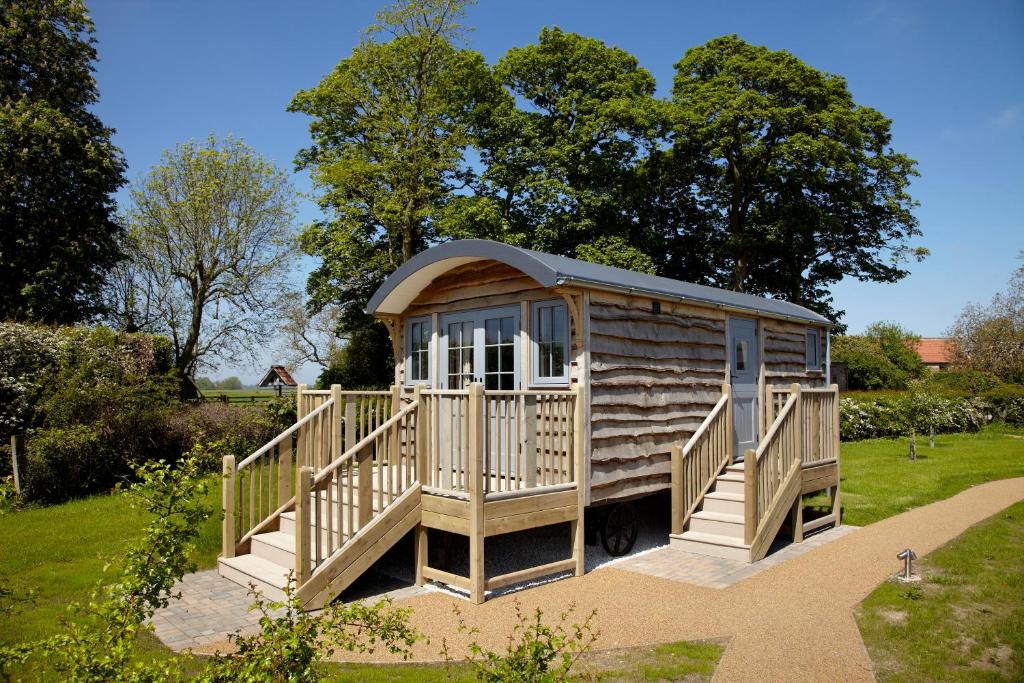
x,y
1007,403
882,358
64,462
961,382
534,652
890,417
234,429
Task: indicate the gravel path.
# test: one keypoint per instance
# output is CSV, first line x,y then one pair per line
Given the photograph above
x,y
791,622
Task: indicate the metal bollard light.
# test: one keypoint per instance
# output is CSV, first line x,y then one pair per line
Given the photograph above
x,y
908,556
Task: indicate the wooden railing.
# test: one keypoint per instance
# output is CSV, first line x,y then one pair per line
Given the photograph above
x,y
772,476
527,439
335,503
821,424
260,487
696,465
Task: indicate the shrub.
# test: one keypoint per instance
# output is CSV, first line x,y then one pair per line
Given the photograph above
x,y
961,382
889,417
882,358
1007,403
64,462
234,429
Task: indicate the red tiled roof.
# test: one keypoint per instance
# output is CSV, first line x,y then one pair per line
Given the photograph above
x,y
281,373
935,350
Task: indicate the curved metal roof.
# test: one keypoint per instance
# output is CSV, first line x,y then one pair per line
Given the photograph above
x,y
550,270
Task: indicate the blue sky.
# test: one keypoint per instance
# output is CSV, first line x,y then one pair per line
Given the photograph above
x,y
949,74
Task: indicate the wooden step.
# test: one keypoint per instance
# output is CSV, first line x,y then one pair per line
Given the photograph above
x,y
729,503
270,578
275,546
730,482
718,523
735,468
712,545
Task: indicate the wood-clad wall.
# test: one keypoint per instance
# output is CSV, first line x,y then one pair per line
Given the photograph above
x,y
785,353
653,379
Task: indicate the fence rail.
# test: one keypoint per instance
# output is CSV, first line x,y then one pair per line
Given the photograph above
x,y
696,465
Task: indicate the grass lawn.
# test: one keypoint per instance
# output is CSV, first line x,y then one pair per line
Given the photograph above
x,y
964,621
878,480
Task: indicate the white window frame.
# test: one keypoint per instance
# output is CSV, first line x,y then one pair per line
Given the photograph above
x,y
812,367
535,378
425,320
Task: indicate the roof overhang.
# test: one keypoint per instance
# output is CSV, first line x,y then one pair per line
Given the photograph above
x,y
405,284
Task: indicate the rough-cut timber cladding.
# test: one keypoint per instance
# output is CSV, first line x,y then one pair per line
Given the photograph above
x,y
785,360
653,379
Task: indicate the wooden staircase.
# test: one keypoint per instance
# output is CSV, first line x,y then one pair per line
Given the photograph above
x,y
716,527
735,510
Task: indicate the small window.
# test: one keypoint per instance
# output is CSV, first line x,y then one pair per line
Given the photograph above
x,y
550,336
741,355
418,358
812,352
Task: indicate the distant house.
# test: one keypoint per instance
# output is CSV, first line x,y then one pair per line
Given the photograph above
x,y
277,377
936,352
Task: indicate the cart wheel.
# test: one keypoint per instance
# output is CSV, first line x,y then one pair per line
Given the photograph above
x,y
620,529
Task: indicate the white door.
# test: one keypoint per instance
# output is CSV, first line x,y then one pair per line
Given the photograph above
x,y
743,372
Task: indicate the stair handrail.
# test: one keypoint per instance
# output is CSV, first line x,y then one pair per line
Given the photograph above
x,y
285,434
762,497
328,469
688,491
320,537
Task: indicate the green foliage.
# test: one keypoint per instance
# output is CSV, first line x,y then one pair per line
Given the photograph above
x,y
559,169
991,338
961,382
293,644
615,251
365,362
97,641
891,417
882,358
535,652
1007,403
210,249
59,169
804,185
64,462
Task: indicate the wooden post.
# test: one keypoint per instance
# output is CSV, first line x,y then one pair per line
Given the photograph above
x,y
421,553
337,436
749,495
300,437
580,474
475,457
227,545
394,445
530,440
797,516
422,428
730,442
836,506
794,388
284,472
303,525
677,489
17,448
351,428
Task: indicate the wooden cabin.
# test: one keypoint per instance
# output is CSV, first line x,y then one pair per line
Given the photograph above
x,y
529,389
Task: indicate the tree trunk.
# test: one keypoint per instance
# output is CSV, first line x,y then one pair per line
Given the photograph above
x,y
913,445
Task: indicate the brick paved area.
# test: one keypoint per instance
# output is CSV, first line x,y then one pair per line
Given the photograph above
x,y
212,607
669,562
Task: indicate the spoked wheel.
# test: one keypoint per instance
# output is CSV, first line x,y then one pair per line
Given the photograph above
x,y
620,529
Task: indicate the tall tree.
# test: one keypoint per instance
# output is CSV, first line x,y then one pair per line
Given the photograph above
x,y
557,168
211,245
991,338
58,166
389,133
797,183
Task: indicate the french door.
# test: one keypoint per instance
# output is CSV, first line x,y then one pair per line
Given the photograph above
x,y
481,346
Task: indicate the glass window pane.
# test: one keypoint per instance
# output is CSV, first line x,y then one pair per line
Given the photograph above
x,y
467,333
557,360
544,324
507,332
453,360
741,356
491,359
491,335
558,330
454,336
424,335
544,369
508,381
491,382
507,361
